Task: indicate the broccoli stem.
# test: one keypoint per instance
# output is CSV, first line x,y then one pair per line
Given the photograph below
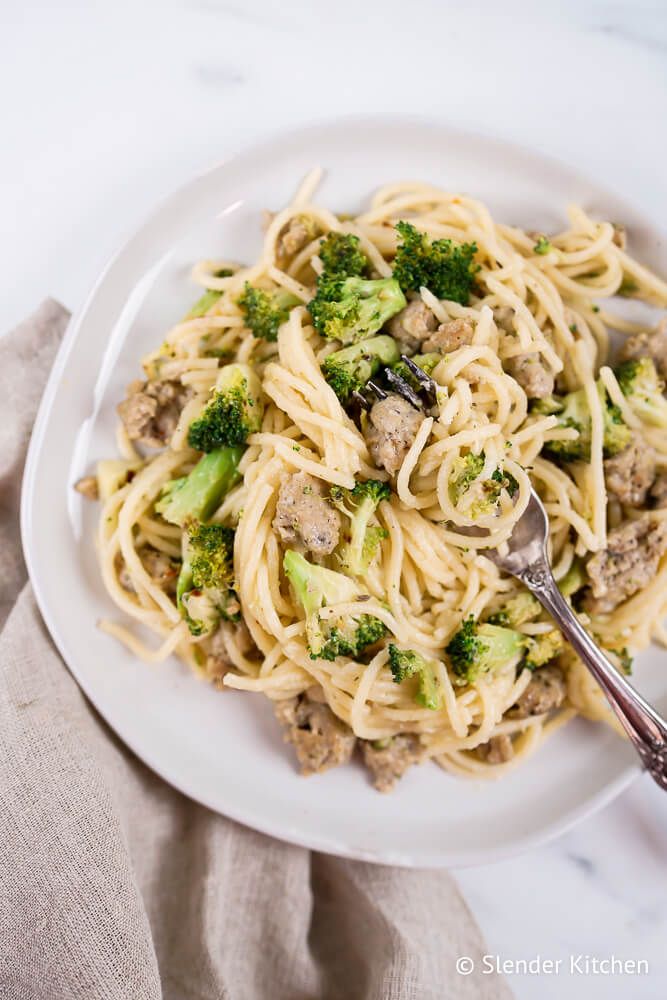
x,y
198,495
203,304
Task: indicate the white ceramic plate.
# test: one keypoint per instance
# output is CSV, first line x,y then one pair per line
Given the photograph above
x,y
224,749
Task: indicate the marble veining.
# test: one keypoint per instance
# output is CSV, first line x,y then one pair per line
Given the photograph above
x,y
115,105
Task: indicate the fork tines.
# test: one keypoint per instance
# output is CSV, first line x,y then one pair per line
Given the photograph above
x,y
401,387
396,383
376,389
426,382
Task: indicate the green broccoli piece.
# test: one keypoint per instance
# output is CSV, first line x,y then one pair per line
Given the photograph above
x,y
465,473
205,588
341,256
521,608
543,648
203,304
627,288
349,369
316,587
198,495
209,297
348,306
575,413
575,578
353,309
234,411
445,267
405,663
465,470
477,649
543,246
622,659
359,504
349,637
265,312
641,386
616,433
547,406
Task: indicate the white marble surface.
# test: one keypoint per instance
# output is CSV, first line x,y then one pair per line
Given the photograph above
x,y
107,107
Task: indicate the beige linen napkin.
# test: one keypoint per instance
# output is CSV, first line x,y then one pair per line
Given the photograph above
x,y
113,885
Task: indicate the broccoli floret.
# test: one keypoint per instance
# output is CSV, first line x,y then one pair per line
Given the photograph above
x,y
575,578
341,256
477,649
542,246
316,587
547,406
544,647
446,268
464,472
575,413
205,589
352,309
406,663
359,504
265,312
622,659
347,305
198,495
349,637
464,475
616,433
349,369
234,411
517,610
640,384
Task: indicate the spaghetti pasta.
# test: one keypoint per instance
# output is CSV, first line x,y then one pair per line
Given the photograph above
x,y
530,333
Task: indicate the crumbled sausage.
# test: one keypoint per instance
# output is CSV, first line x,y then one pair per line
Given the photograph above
x,y
304,516
294,237
219,661
450,336
629,474
392,427
658,492
124,578
413,325
320,739
151,410
162,569
628,563
532,375
545,692
648,345
389,760
498,750
504,318
88,487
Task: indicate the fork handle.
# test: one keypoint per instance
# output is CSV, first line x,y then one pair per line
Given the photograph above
x,y
646,729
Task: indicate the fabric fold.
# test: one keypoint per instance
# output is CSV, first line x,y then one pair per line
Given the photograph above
x,y
114,885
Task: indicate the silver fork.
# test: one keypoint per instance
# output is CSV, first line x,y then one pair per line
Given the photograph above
x,y
526,559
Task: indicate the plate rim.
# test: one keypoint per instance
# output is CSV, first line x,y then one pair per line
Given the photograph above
x,y
448,859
